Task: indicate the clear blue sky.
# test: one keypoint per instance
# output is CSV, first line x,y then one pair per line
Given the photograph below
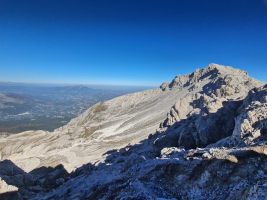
x,y
128,42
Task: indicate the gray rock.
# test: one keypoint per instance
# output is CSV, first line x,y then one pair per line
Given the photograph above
x,y
164,86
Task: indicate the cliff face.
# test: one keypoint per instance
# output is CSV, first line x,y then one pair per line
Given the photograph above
x,y
200,137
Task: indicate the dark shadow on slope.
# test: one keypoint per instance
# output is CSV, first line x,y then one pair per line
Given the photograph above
x,y
200,130
38,180
212,74
213,86
10,196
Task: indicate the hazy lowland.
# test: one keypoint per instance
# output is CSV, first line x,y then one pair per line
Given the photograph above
x,y
46,107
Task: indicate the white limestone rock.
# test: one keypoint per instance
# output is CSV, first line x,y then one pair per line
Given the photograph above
x,y
5,188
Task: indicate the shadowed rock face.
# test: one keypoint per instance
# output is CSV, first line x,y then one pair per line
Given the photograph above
x,y
203,136
202,129
244,120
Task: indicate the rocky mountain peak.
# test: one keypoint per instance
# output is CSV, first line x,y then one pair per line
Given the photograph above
x,y
214,78
216,91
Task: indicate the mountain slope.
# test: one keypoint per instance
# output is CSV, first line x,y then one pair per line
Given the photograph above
x,y
214,108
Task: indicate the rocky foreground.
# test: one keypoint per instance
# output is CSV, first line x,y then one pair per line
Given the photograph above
x,y
202,136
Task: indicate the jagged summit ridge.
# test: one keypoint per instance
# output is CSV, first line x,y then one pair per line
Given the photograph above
x,y
215,74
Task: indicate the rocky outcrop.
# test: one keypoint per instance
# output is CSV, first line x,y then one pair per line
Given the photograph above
x,y
206,115
207,120
216,84
164,86
251,123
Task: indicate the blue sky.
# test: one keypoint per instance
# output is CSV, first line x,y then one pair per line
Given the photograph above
x,y
128,42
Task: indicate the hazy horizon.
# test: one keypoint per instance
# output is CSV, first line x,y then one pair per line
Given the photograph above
x,y
76,84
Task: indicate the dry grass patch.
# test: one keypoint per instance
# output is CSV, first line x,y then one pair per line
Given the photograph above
x,y
100,108
88,131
